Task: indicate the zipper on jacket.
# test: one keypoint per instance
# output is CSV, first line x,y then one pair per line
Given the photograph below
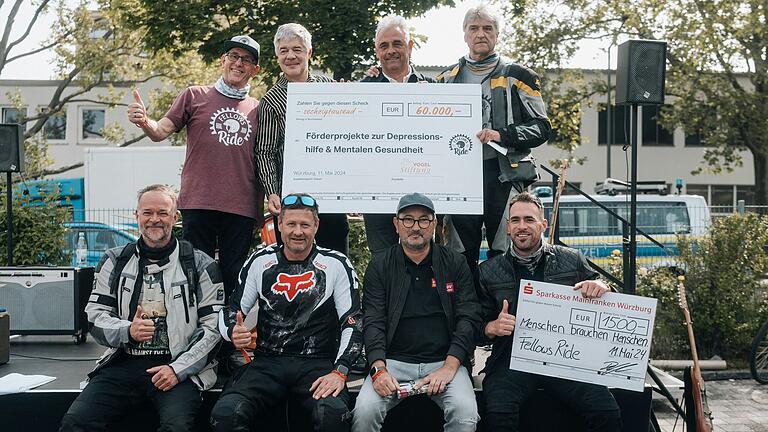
x,y
120,294
184,301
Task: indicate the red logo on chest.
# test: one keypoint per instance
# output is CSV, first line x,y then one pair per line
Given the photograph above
x,y
292,285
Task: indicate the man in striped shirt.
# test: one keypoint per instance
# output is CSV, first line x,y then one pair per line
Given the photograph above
x,y
293,46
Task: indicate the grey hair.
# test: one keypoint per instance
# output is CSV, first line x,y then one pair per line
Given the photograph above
x,y
291,31
163,189
482,12
395,22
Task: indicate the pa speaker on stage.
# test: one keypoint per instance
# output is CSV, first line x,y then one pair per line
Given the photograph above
x,y
640,72
11,148
46,300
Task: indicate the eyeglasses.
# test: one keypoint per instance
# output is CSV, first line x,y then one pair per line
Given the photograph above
x,y
409,222
305,200
233,57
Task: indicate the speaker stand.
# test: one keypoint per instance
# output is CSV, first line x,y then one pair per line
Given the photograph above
x,y
631,284
9,216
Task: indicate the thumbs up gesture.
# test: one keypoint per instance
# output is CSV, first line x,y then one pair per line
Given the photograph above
x,y
141,329
137,113
241,337
503,325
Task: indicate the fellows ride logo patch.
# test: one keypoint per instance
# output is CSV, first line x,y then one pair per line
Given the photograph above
x,y
460,144
230,126
291,285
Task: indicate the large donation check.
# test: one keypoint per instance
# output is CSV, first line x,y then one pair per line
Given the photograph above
x,y
359,147
603,341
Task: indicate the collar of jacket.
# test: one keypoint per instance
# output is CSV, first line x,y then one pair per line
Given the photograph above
x,y
282,258
463,62
547,252
403,284
414,77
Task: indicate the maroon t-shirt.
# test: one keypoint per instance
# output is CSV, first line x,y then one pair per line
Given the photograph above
x,y
219,171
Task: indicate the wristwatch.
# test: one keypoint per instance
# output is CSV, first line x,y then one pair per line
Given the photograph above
x,y
376,369
342,369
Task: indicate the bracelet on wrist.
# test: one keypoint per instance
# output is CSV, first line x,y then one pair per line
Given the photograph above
x,y
344,377
378,374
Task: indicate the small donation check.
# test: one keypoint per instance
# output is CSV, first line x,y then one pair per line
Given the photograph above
x,y
359,147
602,341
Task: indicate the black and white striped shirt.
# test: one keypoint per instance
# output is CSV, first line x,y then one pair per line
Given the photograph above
x,y
270,135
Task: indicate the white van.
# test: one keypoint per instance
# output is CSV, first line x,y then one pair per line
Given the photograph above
x,y
589,228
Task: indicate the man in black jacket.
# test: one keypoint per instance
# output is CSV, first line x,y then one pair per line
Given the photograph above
x,y
420,320
528,257
393,45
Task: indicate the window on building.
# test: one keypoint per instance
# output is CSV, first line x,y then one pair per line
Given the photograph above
x,y
722,199
14,115
653,133
621,125
698,189
694,140
55,127
746,193
92,123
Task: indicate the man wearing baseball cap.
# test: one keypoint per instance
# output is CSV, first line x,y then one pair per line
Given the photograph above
x,y
421,315
220,199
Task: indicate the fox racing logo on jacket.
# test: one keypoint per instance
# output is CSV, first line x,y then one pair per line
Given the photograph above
x,y
291,285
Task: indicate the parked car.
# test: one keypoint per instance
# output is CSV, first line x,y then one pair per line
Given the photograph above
x,y
98,237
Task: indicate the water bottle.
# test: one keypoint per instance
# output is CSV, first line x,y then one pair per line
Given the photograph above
x,y
81,253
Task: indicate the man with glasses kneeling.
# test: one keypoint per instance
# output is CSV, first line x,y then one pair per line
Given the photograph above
x,y
307,330
421,318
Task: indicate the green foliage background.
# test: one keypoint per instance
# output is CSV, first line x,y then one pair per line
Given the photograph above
x,y
725,291
38,232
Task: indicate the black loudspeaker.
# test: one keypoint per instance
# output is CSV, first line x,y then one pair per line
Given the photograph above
x,y
11,148
640,72
46,300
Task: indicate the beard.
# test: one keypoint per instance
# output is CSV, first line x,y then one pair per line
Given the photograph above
x,y
417,243
527,245
155,235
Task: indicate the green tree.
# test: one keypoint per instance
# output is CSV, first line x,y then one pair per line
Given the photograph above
x,y
342,32
724,282
95,47
38,232
717,66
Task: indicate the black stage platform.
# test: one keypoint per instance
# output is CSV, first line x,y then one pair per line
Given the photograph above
x,y
41,409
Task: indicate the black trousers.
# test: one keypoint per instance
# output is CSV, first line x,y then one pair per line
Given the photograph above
x,y
332,234
208,230
121,386
505,390
380,232
470,227
257,388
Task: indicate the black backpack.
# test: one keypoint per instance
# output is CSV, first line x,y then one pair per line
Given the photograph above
x,y
186,256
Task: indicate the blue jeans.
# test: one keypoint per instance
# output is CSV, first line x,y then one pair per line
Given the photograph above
x,y
505,390
457,401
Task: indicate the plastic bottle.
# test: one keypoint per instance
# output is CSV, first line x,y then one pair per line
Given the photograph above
x,y
81,253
